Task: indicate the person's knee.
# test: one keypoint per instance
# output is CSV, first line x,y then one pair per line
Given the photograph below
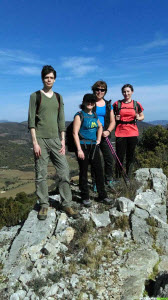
x,y
64,177
41,173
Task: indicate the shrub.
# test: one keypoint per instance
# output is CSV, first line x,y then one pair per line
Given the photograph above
x,y
15,211
152,151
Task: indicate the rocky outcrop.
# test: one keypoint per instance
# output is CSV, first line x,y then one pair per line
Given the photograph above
x,y
108,253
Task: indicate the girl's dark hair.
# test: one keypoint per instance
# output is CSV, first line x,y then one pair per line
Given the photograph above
x,y
127,85
99,83
86,98
82,106
46,70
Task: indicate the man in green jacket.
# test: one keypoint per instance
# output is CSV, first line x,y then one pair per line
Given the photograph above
x,y
46,120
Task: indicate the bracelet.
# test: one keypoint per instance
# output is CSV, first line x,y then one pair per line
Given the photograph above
x,y
79,150
108,130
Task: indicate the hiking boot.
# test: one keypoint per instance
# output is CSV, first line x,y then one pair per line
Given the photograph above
x,y
87,203
70,212
42,214
94,188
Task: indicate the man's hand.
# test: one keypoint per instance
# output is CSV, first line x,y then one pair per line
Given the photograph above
x,y
37,150
62,150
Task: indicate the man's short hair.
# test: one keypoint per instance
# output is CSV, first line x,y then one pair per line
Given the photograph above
x,y
46,70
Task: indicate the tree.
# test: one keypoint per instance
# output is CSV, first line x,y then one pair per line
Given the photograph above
x,y
152,151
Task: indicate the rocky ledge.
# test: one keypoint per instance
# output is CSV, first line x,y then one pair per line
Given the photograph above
x,y
117,252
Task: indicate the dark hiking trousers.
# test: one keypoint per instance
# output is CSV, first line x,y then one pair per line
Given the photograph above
x,y
92,156
126,146
108,161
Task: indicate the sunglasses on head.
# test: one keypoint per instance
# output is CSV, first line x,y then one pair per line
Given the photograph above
x,y
98,89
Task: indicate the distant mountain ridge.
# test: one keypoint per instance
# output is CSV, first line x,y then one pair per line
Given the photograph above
x,y
159,122
155,122
14,130
4,121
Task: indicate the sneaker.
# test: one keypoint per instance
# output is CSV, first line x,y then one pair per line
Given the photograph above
x,y
70,212
42,214
87,203
94,188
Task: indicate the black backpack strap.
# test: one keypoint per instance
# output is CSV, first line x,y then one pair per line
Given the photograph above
x,y
118,107
95,115
58,98
135,106
38,101
108,104
81,117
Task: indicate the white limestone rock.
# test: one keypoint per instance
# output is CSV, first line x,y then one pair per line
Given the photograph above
x,y
101,220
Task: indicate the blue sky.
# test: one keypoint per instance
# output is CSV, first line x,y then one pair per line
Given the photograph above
x,y
114,40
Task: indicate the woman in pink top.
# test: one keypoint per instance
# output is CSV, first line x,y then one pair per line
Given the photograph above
x,y
127,113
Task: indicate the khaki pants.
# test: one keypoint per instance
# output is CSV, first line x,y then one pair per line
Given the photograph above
x,y
50,149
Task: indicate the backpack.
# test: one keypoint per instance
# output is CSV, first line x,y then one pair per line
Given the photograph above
x,y
135,107
38,100
69,139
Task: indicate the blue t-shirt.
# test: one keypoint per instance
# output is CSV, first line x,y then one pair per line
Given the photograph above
x,y
101,112
88,129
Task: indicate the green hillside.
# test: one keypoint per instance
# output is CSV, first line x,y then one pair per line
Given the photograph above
x,y
15,155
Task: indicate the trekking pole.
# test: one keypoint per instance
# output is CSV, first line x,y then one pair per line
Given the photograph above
x,y
119,164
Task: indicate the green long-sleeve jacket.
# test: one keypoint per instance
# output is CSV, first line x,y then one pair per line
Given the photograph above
x,y
50,119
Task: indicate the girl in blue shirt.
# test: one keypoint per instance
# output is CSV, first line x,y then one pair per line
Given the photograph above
x,y
87,136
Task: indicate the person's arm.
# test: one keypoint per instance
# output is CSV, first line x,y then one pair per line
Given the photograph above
x,y
62,150
61,125
99,132
36,147
140,116
76,128
139,113
107,132
61,116
31,125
